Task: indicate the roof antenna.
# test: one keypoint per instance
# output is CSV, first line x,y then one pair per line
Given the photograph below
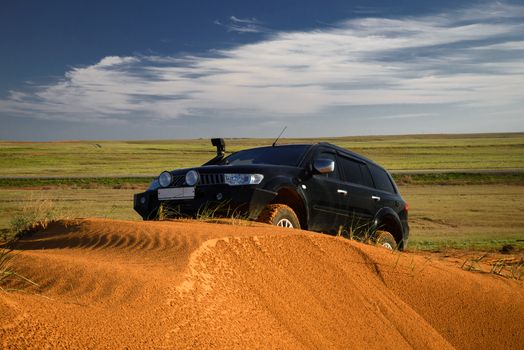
x,y
274,143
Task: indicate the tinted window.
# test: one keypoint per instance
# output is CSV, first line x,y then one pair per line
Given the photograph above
x,y
351,170
366,175
280,155
381,179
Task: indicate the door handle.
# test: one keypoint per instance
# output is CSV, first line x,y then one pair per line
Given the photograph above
x,y
345,193
375,198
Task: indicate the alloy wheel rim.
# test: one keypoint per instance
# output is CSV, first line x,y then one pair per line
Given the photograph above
x,y
285,223
387,245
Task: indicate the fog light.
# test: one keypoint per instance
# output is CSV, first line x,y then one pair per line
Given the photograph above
x,y
165,179
192,177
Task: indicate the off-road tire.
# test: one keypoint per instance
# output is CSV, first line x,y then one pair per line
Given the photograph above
x,y
279,215
385,239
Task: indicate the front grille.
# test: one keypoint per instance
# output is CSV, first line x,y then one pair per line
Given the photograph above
x,y
205,179
211,179
178,180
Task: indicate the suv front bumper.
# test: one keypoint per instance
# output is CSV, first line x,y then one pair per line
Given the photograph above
x,y
247,199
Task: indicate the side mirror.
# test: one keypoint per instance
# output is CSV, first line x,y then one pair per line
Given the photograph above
x,y
324,166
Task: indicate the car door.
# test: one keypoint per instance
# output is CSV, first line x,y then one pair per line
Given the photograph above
x,y
385,194
327,206
357,186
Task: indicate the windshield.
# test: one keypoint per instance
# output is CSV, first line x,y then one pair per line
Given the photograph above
x,y
280,155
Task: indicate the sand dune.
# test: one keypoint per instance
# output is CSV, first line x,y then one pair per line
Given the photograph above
x,y
117,284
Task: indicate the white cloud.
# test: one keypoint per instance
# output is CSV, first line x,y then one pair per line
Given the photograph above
x,y
244,20
471,57
407,116
17,95
115,61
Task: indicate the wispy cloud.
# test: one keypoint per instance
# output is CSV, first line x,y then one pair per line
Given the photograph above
x,y
252,20
470,57
406,116
243,25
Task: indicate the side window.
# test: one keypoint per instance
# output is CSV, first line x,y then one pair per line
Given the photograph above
x,y
332,156
366,176
381,179
351,170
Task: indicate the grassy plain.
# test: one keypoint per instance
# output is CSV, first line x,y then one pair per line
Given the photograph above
x,y
465,216
67,203
130,158
461,216
482,210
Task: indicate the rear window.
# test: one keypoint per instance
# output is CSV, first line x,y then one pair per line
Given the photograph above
x,y
355,171
381,179
351,170
366,175
280,155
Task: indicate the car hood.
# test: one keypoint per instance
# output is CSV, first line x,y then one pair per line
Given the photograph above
x,y
246,169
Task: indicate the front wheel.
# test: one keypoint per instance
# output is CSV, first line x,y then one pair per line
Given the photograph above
x,y
385,239
279,215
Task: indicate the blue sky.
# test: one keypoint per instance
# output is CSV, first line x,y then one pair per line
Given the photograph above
x,y
178,69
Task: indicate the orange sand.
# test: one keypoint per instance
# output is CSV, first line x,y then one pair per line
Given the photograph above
x,y
118,284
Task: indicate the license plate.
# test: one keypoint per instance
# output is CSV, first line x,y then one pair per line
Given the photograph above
x,y
176,193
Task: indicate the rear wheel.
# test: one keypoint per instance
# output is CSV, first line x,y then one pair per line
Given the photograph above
x,y
385,239
279,215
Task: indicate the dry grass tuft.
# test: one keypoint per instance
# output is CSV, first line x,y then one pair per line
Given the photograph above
x,y
507,267
35,216
220,213
5,264
8,273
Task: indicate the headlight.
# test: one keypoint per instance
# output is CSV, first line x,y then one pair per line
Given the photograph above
x,y
165,179
154,185
192,177
243,179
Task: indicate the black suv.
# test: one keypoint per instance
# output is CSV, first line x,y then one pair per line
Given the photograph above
x,y
318,187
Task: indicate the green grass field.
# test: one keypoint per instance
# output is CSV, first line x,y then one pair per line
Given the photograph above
x,y
68,203
465,216
469,209
129,158
461,216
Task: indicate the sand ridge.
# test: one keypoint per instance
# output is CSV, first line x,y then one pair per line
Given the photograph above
x,y
122,284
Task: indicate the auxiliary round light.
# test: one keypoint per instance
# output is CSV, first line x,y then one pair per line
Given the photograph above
x,y
165,179
192,177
